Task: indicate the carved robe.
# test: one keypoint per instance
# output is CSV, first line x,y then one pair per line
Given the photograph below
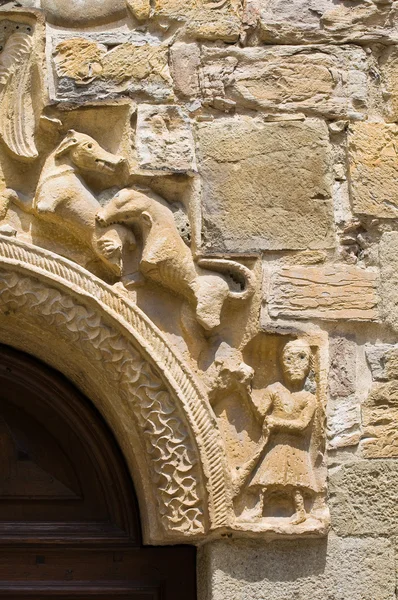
x,y
286,461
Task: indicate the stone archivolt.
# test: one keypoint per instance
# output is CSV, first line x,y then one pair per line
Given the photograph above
x,y
175,427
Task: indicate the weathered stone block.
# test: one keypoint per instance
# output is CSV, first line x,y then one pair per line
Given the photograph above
x,y
304,21
363,498
328,292
342,372
338,569
376,356
207,21
265,186
86,71
344,422
322,80
164,139
388,253
185,61
374,169
380,418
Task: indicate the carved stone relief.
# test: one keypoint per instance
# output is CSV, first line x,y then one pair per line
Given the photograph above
x,y
272,418
121,179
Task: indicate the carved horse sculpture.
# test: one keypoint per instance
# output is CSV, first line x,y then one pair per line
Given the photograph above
x,y
167,260
63,198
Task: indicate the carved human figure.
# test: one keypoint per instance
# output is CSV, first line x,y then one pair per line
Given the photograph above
x,y
64,198
283,461
168,261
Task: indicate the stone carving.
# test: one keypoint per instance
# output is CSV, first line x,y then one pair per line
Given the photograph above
x,y
276,480
63,197
17,114
282,461
167,260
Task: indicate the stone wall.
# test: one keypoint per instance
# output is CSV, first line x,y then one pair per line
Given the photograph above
x,y
232,171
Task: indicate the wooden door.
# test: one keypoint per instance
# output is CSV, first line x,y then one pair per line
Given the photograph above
x,y
69,523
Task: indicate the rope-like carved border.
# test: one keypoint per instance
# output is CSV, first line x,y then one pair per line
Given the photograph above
x,y
150,342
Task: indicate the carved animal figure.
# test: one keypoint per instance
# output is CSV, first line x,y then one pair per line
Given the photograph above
x,y
63,197
167,260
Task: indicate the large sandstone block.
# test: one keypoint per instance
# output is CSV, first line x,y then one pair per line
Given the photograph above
x,y
333,569
373,163
328,292
306,21
363,498
265,186
323,80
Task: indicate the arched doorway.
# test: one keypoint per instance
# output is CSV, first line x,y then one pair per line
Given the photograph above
x,y
69,523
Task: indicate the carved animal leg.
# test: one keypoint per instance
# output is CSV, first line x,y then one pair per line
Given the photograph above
x,y
300,515
193,334
211,292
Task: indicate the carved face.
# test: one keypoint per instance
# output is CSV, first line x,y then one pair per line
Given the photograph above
x,y
296,361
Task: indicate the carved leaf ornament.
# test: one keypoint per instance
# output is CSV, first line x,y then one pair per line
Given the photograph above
x,y
17,119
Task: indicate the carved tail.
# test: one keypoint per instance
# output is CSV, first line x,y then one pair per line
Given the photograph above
x,y
240,274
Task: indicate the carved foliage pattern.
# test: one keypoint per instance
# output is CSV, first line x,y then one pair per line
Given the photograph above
x,y
176,473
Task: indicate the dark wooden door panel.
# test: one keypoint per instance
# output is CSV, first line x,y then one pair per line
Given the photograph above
x,y
69,520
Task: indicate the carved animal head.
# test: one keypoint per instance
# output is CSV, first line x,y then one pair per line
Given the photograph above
x,y
86,154
125,206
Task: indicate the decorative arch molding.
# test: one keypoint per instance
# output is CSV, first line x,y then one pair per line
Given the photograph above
x,y
151,399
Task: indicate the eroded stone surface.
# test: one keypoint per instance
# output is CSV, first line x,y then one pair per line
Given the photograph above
x,y
379,418
319,80
306,21
342,367
337,568
87,71
164,139
185,60
344,422
324,293
389,278
376,356
251,172
374,169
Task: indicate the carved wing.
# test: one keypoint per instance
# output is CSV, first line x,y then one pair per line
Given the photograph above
x,y
17,118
